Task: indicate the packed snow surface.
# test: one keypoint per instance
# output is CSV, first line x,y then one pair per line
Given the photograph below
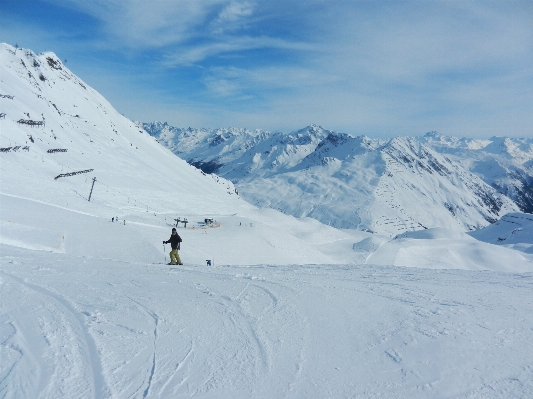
x,y
83,327
289,308
443,249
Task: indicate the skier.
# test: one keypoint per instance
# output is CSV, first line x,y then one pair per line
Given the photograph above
x,y
174,241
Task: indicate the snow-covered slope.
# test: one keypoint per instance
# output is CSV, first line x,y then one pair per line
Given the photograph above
x,y
54,124
100,328
351,182
502,162
514,230
88,310
57,134
445,249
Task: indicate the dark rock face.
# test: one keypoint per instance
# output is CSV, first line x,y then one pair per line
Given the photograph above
x,y
206,167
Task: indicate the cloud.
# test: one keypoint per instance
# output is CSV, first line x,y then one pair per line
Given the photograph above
x,y
365,66
402,69
263,82
231,16
190,55
402,42
147,24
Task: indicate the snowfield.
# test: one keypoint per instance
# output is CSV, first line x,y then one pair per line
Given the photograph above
x,y
89,310
76,327
444,249
289,308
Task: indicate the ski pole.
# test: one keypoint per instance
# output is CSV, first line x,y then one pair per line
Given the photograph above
x,y
165,251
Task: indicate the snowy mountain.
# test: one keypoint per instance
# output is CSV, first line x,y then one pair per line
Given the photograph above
x,y
238,153
383,186
289,307
54,125
57,134
504,163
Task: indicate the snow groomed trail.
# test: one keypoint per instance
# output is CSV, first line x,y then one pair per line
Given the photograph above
x,y
75,327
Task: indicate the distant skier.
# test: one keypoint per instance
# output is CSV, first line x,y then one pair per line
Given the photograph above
x,y
174,241
112,219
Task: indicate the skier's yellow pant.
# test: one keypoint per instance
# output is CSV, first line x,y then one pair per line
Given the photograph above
x,y
175,257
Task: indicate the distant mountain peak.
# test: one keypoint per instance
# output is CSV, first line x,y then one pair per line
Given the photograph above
x,y
385,186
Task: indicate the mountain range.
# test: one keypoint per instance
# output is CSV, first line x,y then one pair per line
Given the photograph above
x,y
377,185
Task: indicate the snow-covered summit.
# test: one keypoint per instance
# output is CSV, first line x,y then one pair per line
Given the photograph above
x,y
519,150
437,140
235,153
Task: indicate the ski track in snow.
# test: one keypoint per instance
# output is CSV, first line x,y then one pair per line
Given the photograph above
x,y
155,318
263,331
82,337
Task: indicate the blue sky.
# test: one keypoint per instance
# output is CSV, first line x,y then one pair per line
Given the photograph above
x,y
380,68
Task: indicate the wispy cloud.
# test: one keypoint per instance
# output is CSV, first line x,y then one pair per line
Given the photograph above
x,y
189,55
232,17
265,81
380,67
147,24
